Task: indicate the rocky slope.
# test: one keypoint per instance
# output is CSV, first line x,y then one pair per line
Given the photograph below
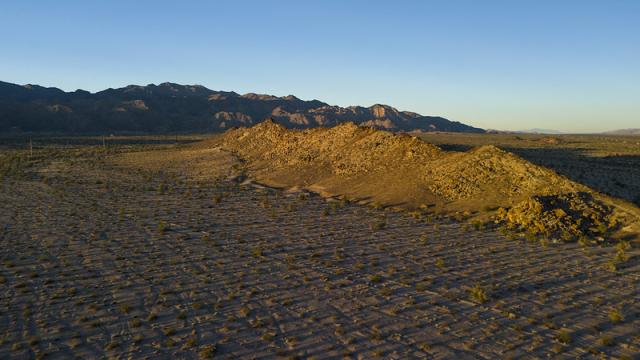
x,y
379,166
185,108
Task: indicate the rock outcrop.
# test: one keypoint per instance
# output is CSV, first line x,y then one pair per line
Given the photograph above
x,y
566,216
366,163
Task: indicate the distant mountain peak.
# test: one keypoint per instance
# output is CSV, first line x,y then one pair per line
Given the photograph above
x,y
262,97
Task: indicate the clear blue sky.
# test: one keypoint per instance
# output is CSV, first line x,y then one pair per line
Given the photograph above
x,y
566,65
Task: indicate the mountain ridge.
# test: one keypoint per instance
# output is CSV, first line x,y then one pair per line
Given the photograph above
x,y
171,107
631,131
487,183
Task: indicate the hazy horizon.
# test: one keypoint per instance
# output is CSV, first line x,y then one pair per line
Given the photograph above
x,y
569,66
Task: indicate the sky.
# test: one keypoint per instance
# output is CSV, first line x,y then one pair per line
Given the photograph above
x,y
570,65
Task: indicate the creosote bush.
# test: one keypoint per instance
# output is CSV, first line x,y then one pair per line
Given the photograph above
x,y
207,351
615,315
563,337
478,294
162,227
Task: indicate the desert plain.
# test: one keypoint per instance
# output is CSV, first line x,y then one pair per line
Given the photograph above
x,y
185,247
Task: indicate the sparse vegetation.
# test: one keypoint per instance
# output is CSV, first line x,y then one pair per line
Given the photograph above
x,y
162,227
615,315
207,351
478,294
563,337
606,341
243,269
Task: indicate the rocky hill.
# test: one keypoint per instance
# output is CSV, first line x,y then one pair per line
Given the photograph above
x,y
398,169
172,107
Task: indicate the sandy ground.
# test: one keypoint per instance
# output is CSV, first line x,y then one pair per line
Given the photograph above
x,y
109,261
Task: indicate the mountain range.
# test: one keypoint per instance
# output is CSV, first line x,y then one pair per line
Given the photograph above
x,y
170,107
540,131
624,132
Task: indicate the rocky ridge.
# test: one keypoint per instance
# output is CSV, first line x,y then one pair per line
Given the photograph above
x,y
486,182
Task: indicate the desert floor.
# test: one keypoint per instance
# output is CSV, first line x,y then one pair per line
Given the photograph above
x,y
101,260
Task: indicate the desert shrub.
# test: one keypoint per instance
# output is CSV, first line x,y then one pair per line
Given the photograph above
x,y
256,251
245,311
191,342
33,341
612,266
385,291
621,251
606,341
138,338
563,337
290,341
623,246
162,227
615,315
169,343
620,257
530,236
478,294
584,241
477,225
74,343
256,323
